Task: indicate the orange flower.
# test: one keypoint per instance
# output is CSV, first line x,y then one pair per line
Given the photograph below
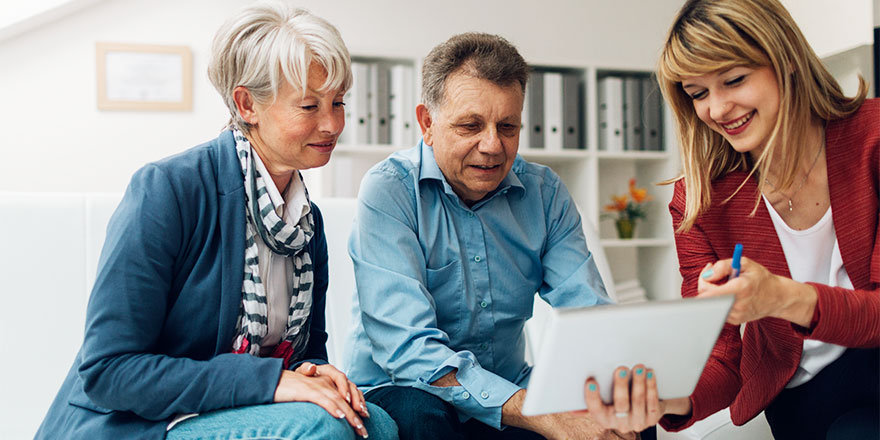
x,y
639,195
619,203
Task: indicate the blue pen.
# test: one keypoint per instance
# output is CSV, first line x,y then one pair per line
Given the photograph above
x,y
737,255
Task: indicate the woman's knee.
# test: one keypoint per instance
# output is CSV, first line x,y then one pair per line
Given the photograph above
x,y
380,425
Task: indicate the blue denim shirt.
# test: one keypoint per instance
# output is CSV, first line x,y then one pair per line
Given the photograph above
x,y
441,286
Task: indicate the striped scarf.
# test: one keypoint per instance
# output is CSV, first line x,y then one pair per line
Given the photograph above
x,y
282,239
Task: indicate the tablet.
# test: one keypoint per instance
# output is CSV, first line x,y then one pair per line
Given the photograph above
x,y
674,338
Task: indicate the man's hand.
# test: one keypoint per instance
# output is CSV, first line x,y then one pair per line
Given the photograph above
x,y
555,426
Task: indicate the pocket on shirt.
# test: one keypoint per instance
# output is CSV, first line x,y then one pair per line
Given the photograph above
x,y
445,284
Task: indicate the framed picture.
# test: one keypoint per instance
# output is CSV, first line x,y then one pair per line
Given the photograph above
x,y
144,77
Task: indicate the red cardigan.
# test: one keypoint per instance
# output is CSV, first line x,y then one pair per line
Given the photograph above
x,y
748,373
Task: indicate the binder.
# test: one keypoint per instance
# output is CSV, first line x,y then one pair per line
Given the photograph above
x,y
571,111
383,107
535,121
610,116
553,111
356,128
524,118
402,106
632,113
652,115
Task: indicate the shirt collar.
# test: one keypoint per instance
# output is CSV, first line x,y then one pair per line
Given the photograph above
x,y
428,169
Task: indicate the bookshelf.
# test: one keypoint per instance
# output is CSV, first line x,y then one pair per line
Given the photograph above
x,y
591,172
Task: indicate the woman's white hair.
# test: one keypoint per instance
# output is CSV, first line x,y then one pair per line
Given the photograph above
x,y
268,42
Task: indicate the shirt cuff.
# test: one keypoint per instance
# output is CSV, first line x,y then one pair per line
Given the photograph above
x,y
481,394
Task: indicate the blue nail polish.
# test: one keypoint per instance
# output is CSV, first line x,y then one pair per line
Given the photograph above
x,y
622,373
639,371
707,274
592,387
650,374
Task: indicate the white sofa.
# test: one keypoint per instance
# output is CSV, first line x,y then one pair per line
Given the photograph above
x,y
50,246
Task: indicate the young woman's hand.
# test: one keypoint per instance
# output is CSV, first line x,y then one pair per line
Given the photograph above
x,y
308,384
636,405
759,293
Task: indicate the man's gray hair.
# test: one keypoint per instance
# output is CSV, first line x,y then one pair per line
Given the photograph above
x,y
270,42
480,55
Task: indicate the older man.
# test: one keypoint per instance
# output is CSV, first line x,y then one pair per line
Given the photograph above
x,y
453,239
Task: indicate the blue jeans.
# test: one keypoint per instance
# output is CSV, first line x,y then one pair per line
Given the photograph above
x,y
281,421
424,416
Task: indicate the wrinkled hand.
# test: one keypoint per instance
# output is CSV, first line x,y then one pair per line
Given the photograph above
x,y
636,404
581,426
759,293
326,387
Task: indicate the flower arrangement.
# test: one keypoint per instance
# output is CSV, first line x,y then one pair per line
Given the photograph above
x,y
628,208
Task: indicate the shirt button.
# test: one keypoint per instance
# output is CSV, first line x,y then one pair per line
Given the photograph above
x,y
484,346
483,304
465,395
470,214
477,259
484,395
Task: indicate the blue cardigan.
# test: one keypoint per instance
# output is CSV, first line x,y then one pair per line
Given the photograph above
x,y
162,313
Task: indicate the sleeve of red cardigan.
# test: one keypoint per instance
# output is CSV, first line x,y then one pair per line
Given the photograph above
x,y
720,381
850,318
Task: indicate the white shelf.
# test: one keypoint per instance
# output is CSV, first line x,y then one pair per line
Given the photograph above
x,y
540,155
634,155
634,242
374,151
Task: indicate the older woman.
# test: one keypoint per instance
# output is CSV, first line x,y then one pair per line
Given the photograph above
x,y
207,315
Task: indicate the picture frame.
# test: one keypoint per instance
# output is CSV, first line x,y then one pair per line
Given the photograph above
x,y
143,77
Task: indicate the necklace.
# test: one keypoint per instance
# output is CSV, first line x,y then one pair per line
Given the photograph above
x,y
815,160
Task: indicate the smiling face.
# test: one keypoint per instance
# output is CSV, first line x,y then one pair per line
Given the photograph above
x,y
741,104
298,130
474,133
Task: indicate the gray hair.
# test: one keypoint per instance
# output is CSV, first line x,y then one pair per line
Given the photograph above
x,y
266,42
483,56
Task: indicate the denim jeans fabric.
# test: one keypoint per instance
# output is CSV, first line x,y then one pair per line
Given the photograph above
x,y
281,421
841,402
423,416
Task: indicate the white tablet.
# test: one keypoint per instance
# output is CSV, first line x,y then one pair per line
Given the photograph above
x,y
674,338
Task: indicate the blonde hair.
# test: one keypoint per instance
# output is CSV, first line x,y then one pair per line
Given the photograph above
x,y
715,35
266,43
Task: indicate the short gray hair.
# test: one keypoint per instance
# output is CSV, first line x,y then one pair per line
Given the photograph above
x,y
485,56
270,41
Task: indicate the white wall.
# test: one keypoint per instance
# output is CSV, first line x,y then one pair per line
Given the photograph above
x,y
56,139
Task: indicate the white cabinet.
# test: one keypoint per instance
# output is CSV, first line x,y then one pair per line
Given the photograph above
x,y
591,172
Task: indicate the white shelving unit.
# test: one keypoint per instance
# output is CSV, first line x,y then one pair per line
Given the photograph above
x,y
591,176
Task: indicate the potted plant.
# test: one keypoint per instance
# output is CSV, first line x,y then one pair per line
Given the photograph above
x,y
627,209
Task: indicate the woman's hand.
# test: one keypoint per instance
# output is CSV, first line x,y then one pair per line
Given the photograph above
x,y
759,293
636,405
321,386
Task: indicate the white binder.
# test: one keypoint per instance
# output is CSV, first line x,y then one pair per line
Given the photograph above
x,y
403,107
610,117
356,129
632,113
553,111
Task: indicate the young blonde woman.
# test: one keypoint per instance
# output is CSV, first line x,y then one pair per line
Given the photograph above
x,y
774,157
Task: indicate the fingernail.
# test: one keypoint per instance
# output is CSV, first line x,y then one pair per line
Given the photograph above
x,y
340,414
348,397
639,371
650,375
592,387
707,274
366,435
622,373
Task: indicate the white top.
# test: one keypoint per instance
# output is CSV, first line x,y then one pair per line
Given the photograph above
x,y
813,255
273,267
